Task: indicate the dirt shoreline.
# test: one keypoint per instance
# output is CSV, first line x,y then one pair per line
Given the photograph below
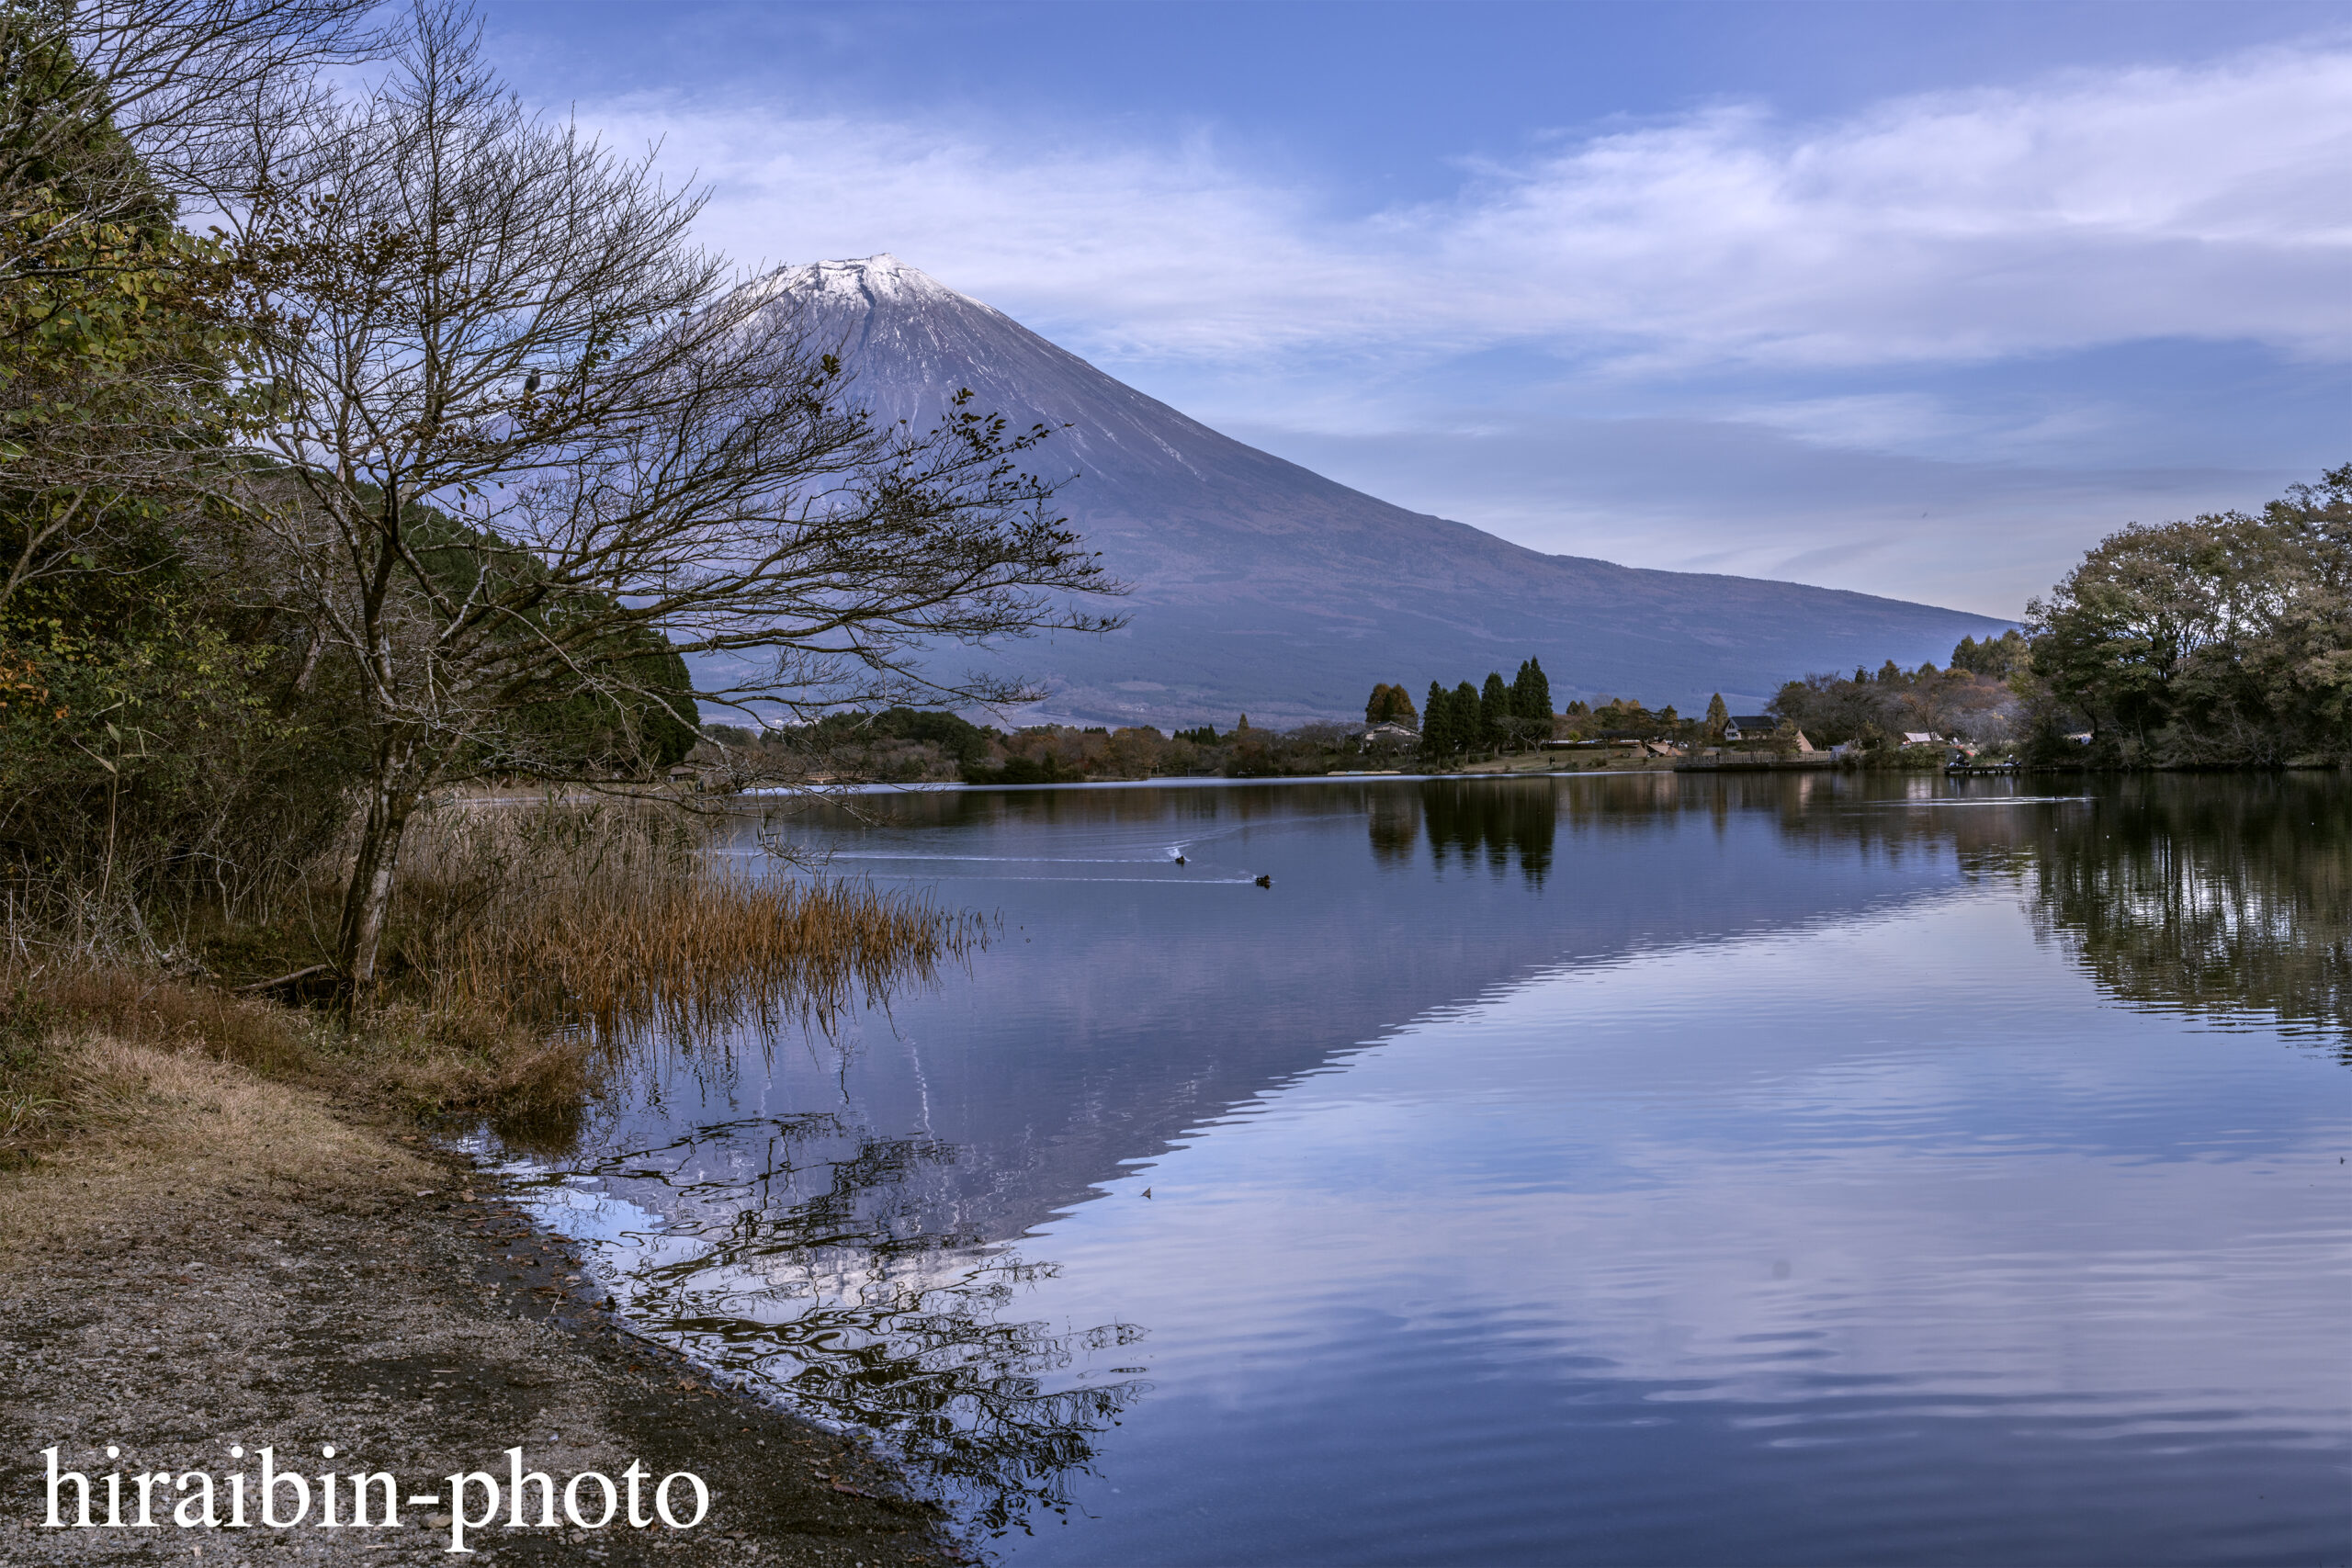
x,y
235,1261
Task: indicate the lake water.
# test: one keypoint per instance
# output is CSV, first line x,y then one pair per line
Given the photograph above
x,y
1657,1170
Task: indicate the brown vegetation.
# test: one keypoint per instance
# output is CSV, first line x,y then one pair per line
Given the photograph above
x,y
531,942
616,916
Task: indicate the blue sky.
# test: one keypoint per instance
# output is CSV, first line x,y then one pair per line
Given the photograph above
x,y
1918,300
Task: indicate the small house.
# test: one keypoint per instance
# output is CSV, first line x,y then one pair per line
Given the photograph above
x,y
1755,727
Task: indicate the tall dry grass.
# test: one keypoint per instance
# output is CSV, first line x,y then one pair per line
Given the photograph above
x,y
615,917
527,943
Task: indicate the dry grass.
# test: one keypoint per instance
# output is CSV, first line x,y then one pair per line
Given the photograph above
x,y
527,944
613,919
140,1125
145,1008
405,1058
46,1097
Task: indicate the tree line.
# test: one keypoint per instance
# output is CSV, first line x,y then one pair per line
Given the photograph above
x,y
2226,638
1492,717
2223,641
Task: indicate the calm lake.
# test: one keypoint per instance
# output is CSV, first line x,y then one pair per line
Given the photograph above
x,y
1654,1169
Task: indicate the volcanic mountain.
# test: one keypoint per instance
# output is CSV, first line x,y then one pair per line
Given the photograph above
x,y
1262,588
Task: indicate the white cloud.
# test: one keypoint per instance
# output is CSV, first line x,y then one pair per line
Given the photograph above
x,y
2087,209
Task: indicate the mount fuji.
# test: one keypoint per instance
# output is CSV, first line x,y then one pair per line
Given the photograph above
x,y
1263,588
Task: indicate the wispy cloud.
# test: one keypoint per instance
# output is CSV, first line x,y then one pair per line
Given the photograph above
x,y
2084,208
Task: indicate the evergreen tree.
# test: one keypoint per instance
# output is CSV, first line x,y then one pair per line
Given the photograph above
x,y
1718,716
1530,694
1494,710
1469,718
1437,718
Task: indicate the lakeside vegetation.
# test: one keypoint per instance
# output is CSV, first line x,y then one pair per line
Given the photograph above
x,y
278,585
445,461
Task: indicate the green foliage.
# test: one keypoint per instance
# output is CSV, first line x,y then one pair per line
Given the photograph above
x,y
1437,722
159,757
840,732
1718,717
1021,771
154,745
1468,718
2000,657
1490,717
1494,710
632,727
2226,638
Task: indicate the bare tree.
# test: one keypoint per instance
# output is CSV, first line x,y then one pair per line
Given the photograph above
x,y
523,433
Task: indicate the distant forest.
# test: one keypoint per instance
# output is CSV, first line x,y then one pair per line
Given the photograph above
x,y
2225,641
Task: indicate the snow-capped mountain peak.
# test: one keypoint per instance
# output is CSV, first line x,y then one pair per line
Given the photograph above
x,y
881,278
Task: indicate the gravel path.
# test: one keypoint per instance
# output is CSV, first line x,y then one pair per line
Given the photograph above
x,y
259,1293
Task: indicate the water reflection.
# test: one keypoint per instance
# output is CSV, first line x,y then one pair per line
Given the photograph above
x,y
795,1251
1758,1142
2184,896
1493,822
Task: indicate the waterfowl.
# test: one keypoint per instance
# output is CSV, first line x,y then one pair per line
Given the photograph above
x,y
1267,881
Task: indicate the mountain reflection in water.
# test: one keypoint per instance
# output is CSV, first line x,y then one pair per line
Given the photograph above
x,y
922,1228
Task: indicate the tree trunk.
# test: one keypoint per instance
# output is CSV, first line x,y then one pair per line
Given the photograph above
x,y
369,898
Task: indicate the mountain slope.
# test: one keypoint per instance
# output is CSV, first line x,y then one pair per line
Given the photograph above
x,y
1263,588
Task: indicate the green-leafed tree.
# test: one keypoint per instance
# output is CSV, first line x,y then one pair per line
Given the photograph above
x,y
151,740
1494,710
2226,638
1469,718
1999,657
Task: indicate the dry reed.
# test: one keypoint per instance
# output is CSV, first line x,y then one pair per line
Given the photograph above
x,y
615,919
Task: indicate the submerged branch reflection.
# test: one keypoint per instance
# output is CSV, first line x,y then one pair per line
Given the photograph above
x,y
797,1254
